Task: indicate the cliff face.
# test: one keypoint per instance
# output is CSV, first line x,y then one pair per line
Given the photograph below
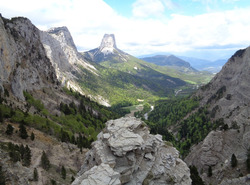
x,y
66,60
23,60
69,64
125,153
228,97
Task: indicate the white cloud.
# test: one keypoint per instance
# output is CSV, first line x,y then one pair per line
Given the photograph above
x,y
147,8
89,20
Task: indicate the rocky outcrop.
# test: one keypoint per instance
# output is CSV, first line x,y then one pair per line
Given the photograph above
x,y
107,51
23,60
228,97
239,181
125,153
108,44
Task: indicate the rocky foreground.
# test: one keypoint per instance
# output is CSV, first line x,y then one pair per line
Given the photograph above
x,y
125,153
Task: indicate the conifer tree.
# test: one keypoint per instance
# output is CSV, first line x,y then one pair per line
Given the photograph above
x,y
72,178
32,136
194,175
210,172
248,160
2,176
53,182
22,131
35,175
63,172
9,130
1,116
27,156
45,163
234,161
22,151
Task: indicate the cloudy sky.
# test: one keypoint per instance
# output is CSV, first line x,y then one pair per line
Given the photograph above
x,y
208,29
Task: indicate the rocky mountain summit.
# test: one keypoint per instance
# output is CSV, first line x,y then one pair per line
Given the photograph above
x,y
108,44
227,97
125,153
107,51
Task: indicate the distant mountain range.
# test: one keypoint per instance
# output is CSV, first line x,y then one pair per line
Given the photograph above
x,y
173,60
205,65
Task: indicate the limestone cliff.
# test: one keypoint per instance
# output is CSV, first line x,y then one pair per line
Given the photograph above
x,y
125,153
23,60
227,96
67,61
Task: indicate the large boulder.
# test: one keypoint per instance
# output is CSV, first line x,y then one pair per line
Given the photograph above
x,y
126,153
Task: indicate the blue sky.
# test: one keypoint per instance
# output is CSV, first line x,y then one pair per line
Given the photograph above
x,y
207,29
186,7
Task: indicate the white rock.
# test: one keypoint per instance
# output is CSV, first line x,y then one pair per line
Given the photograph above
x,y
99,175
137,156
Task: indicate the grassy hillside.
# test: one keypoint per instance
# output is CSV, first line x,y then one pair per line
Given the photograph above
x,y
199,77
128,81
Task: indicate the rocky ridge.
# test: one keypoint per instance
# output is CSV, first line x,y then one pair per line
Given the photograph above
x,y
125,153
67,61
228,97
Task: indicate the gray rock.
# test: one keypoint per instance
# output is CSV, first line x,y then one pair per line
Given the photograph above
x,y
23,61
239,181
99,175
126,146
233,105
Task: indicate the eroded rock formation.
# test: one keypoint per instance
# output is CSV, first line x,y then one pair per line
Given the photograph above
x,y
126,153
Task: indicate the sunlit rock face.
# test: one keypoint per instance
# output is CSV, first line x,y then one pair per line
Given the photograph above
x,y
63,55
126,153
23,61
108,44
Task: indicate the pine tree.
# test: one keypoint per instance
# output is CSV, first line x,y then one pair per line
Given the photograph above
x,y
1,115
22,131
45,163
35,175
72,179
210,172
22,151
234,161
63,172
2,176
27,156
32,136
248,160
9,130
196,179
53,182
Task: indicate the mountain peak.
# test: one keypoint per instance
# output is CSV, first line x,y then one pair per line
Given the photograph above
x,y
108,44
63,34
